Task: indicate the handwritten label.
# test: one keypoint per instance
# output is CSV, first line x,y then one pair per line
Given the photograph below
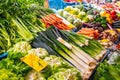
x,y
35,62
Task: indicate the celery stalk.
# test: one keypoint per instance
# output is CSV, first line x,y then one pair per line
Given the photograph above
x,y
5,35
22,29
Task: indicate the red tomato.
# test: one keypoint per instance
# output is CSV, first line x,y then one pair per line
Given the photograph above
x,y
113,12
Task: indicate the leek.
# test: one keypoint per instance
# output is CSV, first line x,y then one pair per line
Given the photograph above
x,y
79,56
61,52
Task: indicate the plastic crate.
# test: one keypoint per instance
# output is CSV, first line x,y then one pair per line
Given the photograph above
x,y
3,55
60,4
56,4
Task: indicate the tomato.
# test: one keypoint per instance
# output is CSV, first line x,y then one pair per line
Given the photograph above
x,y
113,12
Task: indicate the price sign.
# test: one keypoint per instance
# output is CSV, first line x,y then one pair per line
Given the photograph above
x,y
35,62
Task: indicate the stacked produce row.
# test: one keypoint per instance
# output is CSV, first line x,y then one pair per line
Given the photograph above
x,y
107,32
41,45
94,22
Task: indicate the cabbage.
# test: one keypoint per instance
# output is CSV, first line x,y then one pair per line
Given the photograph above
x,y
77,23
66,74
57,67
70,19
81,15
68,8
60,12
40,52
22,47
34,75
54,63
66,14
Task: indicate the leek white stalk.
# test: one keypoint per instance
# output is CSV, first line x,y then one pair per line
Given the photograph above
x,y
84,56
76,64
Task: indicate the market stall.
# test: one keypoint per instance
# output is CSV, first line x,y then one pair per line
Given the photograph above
x,y
73,40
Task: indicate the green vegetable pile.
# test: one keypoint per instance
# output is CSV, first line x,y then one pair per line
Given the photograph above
x,y
58,66
62,74
14,69
6,74
66,74
20,21
109,70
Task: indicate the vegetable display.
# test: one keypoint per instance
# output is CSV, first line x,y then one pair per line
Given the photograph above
x,y
109,37
13,68
74,48
89,32
85,16
68,45
19,20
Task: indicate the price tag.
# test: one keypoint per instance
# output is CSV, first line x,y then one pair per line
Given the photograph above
x,y
35,62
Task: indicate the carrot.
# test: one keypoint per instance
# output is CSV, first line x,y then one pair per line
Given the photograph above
x,y
56,21
67,27
84,32
91,35
55,17
89,32
51,21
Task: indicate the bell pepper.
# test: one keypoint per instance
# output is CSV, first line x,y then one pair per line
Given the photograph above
x,y
103,13
107,15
